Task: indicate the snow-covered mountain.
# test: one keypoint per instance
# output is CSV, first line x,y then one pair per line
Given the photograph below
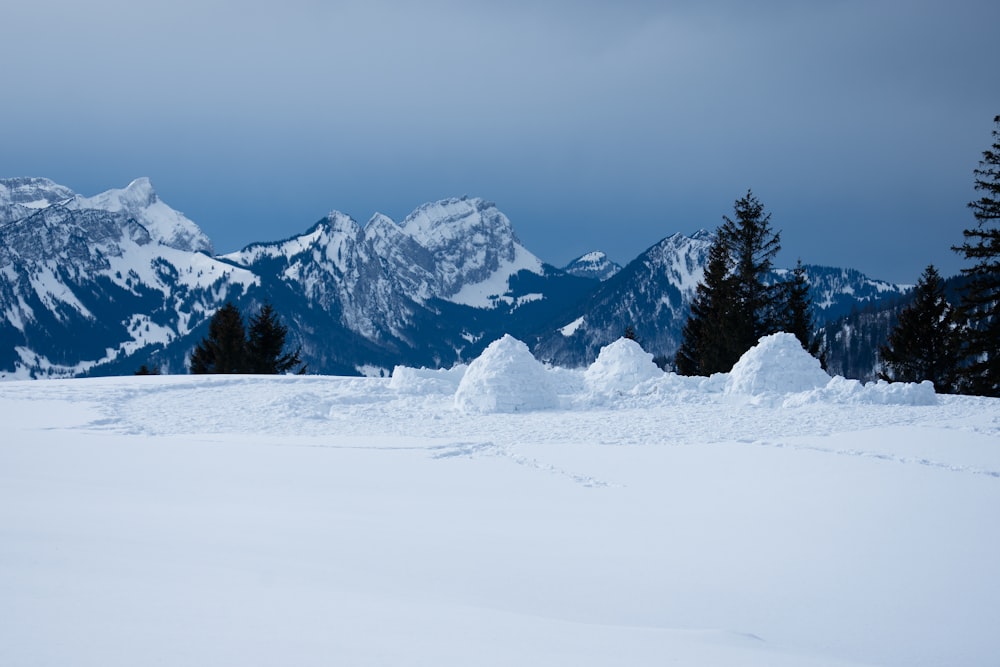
x,y
592,265
433,289
652,295
106,283
139,202
83,282
458,250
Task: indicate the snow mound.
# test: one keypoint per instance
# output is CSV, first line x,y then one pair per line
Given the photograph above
x,y
505,378
776,365
620,367
852,392
419,381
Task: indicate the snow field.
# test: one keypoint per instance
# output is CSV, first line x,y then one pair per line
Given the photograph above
x,y
640,518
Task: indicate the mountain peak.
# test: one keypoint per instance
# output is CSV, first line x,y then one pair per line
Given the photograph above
x,y
435,223
139,201
141,192
592,265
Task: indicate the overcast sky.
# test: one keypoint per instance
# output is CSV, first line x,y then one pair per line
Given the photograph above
x,y
592,125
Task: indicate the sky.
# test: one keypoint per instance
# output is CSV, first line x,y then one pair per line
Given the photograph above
x,y
591,125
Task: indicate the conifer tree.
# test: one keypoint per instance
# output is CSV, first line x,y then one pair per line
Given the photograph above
x,y
981,299
265,347
707,344
733,305
925,343
224,349
753,246
796,318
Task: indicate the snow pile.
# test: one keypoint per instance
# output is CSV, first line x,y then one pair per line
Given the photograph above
x,y
852,392
620,368
505,378
418,381
776,365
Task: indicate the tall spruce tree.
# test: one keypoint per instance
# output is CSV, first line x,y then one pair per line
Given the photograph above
x,y
981,299
224,349
925,344
707,342
797,316
265,346
753,246
733,305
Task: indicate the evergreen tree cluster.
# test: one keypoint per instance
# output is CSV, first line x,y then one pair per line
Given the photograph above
x,y
231,347
957,347
926,343
733,305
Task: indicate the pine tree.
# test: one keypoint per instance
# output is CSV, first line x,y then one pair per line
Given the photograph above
x,y
733,305
797,316
925,344
707,344
265,346
981,300
224,349
753,246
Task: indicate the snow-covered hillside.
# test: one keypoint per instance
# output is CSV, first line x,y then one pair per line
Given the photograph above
x,y
771,516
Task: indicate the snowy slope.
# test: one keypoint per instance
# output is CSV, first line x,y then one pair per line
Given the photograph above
x,y
324,520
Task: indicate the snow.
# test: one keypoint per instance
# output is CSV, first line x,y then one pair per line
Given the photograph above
x,y
776,365
139,201
310,520
571,328
620,368
595,257
485,293
505,378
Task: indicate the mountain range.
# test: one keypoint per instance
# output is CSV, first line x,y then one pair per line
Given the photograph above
x,y
101,285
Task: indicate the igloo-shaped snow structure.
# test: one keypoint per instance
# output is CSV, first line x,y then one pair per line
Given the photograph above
x,y
620,367
505,378
777,364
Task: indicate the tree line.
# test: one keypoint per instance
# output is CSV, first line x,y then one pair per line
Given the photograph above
x,y
955,346
232,347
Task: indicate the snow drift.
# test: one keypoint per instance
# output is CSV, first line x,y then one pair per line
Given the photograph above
x,y
776,365
620,367
505,378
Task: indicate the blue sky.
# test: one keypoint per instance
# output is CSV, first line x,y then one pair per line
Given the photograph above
x,y
592,125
